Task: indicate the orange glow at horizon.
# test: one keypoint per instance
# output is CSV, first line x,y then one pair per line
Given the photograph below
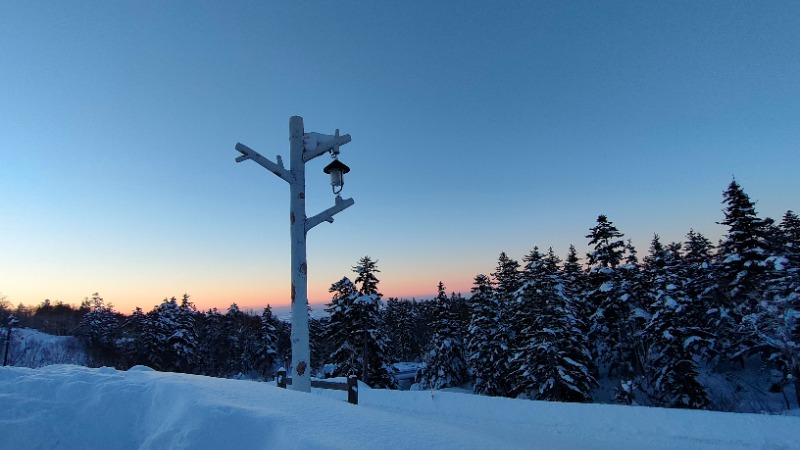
x,y
126,298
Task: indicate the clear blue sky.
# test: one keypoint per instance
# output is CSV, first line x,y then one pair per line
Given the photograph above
x,y
478,127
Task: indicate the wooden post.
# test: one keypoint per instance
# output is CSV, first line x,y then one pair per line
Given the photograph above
x,y
11,321
303,147
281,379
352,389
301,352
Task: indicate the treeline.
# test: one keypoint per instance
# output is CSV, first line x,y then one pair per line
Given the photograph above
x,y
543,328
173,336
549,328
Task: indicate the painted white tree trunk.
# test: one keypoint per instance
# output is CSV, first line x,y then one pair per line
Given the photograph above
x,y
303,148
301,353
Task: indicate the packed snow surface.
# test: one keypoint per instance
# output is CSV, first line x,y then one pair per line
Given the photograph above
x,y
66,406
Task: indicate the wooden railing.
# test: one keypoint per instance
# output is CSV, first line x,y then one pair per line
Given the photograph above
x,y
351,386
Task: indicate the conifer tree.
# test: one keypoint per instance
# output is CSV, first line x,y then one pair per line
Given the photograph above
x,y
790,238
574,280
376,368
524,311
183,341
166,343
702,287
552,358
366,270
507,280
507,277
235,334
99,325
775,327
320,347
343,330
445,364
265,345
488,346
212,345
400,320
424,318
743,251
132,342
674,333
608,248
534,265
633,293
551,263
610,333
99,328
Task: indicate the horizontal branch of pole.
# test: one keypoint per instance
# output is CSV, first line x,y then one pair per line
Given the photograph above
x,y
327,215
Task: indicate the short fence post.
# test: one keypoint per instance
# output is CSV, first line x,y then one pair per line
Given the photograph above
x,y
281,379
352,389
11,322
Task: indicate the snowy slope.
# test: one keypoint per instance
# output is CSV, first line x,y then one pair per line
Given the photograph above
x,y
32,348
77,407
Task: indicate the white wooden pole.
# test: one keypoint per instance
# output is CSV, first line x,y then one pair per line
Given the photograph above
x,y
303,147
301,352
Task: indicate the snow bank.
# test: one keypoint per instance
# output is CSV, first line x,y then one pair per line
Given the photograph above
x,y
77,407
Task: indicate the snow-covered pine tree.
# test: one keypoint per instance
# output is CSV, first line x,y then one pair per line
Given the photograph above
x,y
790,238
574,280
132,342
172,326
609,250
445,364
700,282
487,344
534,266
674,334
159,325
612,341
184,339
284,344
235,333
320,347
99,328
366,280
553,361
343,330
697,260
775,325
213,347
424,318
265,350
634,294
400,320
523,310
376,368
743,251
507,277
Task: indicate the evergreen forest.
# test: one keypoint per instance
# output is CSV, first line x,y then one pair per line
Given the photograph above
x,y
543,328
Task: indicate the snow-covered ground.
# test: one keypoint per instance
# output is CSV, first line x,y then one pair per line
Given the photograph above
x,y
71,407
32,348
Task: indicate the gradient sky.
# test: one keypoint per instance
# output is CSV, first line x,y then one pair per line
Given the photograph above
x,y
477,127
